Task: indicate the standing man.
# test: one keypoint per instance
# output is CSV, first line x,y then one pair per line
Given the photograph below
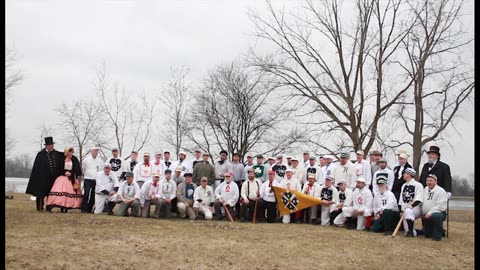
x,y
411,198
298,172
221,168
177,177
346,170
328,168
106,189
398,180
375,156
383,173
436,167
433,208
203,169
362,204
118,165
260,169
306,158
158,166
185,192
129,195
48,165
248,165
91,166
227,195
143,171
238,170
386,214
314,169
268,197
279,168
289,162
183,163
204,198
363,168
133,161
167,162
312,188
269,165
196,158
250,193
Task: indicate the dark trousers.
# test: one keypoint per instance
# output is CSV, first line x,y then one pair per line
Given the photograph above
x,y
433,226
40,203
333,215
248,209
387,221
174,205
218,210
271,208
88,195
237,206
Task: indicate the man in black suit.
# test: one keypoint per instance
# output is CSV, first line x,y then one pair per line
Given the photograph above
x,y
438,168
47,167
398,174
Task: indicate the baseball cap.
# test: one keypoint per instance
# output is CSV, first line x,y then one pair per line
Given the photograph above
x,y
107,165
178,169
129,174
381,181
328,157
114,149
294,159
342,181
382,160
279,156
329,177
259,156
289,170
188,174
410,171
361,179
228,174
344,155
182,153
156,174
204,178
403,155
146,154
311,157
272,158
360,152
432,176
311,175
167,171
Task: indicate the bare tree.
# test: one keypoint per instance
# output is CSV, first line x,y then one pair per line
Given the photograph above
x,y
442,71
79,123
176,100
13,77
45,131
235,110
337,69
128,117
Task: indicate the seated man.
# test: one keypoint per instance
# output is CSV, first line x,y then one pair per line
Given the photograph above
x,y
204,199
149,196
329,196
433,208
167,192
411,197
227,195
311,188
386,209
185,197
362,204
129,195
344,210
250,194
268,197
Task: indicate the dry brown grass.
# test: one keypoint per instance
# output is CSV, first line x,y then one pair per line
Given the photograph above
x,y
83,241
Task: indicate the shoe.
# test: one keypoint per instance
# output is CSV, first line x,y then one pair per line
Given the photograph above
x,y
388,233
49,209
409,234
419,232
444,232
110,213
436,238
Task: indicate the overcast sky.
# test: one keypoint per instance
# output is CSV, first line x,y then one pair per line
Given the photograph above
x,y
61,42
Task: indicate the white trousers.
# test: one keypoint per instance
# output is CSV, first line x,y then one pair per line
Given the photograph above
x,y
325,214
411,214
207,212
101,199
342,217
286,219
183,210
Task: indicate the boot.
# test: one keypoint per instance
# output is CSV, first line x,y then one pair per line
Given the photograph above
x,y
410,228
111,205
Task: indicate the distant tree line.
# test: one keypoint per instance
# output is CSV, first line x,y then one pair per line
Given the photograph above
x,y
19,166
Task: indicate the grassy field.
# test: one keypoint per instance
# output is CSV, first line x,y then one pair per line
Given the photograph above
x,y
83,241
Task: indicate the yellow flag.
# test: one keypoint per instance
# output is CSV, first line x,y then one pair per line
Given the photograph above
x,y
290,201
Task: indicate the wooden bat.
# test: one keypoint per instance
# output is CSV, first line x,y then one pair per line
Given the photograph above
x,y
400,222
255,212
228,212
398,225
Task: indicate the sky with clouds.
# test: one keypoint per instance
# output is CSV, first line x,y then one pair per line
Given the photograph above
x,y
60,44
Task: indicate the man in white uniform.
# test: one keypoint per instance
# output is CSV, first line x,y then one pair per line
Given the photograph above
x,y
410,201
106,189
129,195
362,204
204,198
143,170
227,195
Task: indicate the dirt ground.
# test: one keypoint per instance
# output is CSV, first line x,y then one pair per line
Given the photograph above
x,y
40,240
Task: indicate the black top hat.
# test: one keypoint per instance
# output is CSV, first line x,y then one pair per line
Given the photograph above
x,y
49,140
434,149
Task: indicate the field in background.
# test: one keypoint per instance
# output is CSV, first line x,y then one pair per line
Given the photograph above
x,y
83,241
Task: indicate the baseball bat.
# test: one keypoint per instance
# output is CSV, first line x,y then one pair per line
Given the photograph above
x,y
228,212
255,212
398,225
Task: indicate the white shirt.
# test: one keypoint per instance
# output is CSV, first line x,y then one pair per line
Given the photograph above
x,y
299,174
383,172
411,191
363,168
385,200
91,167
291,183
168,189
228,192
106,182
205,194
129,191
315,170
434,200
142,172
363,200
266,192
313,190
249,189
148,190
327,170
346,197
185,164
347,173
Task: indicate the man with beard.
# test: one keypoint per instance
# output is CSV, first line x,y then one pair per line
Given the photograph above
x,y
204,169
438,168
221,168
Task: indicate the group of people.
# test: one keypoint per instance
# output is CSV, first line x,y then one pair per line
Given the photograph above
x,y
365,194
